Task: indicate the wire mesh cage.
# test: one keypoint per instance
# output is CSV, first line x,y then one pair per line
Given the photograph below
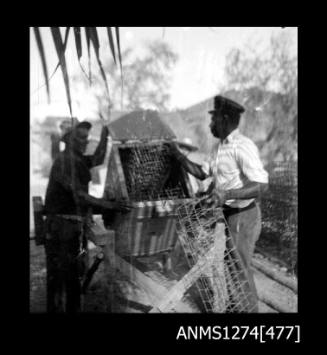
x,y
145,172
148,172
145,168
149,177
223,285
280,204
280,213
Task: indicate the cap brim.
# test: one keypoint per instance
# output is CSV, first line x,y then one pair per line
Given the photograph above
x,y
84,124
212,111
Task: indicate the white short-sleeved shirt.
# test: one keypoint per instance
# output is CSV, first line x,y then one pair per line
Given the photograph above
x,y
236,163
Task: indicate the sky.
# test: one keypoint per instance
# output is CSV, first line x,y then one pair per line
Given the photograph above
x,y
198,74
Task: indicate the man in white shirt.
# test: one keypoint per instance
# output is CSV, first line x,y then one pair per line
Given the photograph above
x,y
238,179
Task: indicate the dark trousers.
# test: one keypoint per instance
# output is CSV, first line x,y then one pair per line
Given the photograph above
x,y
245,228
62,246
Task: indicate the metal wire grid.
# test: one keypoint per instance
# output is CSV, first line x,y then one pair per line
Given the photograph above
x,y
280,204
223,285
147,168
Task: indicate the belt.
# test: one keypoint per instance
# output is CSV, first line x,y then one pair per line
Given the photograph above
x,y
232,210
71,217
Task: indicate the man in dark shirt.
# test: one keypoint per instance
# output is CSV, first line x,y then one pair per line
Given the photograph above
x,y
68,209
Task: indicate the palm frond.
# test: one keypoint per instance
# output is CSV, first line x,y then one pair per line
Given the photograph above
x,y
95,41
88,40
60,45
43,60
119,51
60,48
111,43
47,79
78,43
121,65
63,52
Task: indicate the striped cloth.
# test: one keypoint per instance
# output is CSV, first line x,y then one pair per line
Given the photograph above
x,y
236,163
148,229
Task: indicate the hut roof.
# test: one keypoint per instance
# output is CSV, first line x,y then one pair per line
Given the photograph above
x,y
140,125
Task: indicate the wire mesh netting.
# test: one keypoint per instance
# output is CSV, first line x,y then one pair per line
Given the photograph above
x,y
154,188
223,285
280,204
147,169
280,213
150,177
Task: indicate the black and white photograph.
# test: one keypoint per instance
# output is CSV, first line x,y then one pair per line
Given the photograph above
x,y
163,170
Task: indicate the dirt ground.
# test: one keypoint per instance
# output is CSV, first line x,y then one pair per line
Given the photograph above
x,y
95,302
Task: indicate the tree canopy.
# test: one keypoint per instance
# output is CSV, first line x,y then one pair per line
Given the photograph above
x,y
146,81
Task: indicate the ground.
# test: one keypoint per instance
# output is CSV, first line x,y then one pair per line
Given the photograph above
x,y
276,257
282,297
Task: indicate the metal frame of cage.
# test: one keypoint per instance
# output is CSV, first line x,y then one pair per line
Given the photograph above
x,y
223,285
142,177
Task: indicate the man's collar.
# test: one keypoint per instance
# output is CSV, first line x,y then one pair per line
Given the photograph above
x,y
231,136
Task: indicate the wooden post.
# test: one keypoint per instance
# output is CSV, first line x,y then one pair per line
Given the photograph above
x,y
39,223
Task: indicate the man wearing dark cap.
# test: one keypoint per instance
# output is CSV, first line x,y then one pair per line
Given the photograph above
x,y
56,137
67,207
238,179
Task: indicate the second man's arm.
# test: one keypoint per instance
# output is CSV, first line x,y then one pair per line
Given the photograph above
x,y
191,167
100,152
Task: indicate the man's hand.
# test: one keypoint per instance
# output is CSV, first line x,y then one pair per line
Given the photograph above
x,y
175,151
217,198
190,167
105,130
121,206
174,148
220,197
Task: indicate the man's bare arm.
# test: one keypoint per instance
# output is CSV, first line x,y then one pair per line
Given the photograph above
x,y
102,203
83,198
251,190
100,152
191,167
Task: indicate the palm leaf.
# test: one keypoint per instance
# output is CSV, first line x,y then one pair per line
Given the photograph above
x,y
88,39
47,80
95,41
43,60
120,62
119,52
78,43
111,43
60,48
63,52
66,37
